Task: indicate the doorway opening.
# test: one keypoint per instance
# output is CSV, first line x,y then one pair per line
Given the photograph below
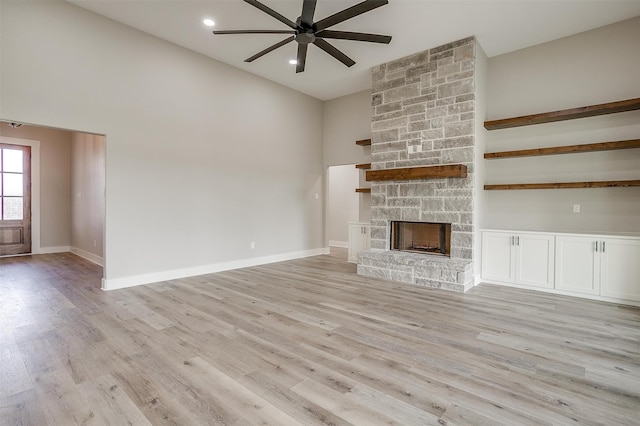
x,y
68,196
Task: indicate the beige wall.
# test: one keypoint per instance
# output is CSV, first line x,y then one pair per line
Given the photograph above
x,y
55,182
87,189
201,158
602,65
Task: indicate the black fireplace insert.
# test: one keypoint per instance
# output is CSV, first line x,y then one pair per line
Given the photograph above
x,y
421,237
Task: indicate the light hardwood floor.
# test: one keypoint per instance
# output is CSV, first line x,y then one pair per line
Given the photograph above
x,y
305,342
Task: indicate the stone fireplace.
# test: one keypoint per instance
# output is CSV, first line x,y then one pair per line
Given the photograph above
x,y
424,115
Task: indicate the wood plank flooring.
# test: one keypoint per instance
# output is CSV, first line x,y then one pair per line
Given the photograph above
x,y
305,342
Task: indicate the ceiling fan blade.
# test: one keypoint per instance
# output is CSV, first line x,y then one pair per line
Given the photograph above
x,y
302,57
269,49
348,35
308,9
272,13
254,32
349,13
322,44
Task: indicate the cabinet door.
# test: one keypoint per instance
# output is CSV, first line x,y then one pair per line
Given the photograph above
x,y
620,268
535,255
358,240
577,265
498,256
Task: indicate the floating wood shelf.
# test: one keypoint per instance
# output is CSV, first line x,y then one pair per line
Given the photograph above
x,y
364,190
565,185
566,114
569,149
409,173
363,166
364,142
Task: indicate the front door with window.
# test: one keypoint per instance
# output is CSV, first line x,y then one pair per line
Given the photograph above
x,y
15,199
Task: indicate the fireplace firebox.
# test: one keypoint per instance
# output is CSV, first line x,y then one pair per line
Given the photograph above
x,y
421,237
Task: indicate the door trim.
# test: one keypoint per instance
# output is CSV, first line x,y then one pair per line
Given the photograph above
x,y
35,187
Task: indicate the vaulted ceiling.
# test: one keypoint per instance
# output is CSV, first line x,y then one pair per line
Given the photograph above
x,y
415,25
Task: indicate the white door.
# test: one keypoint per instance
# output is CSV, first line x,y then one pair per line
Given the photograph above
x,y
535,256
620,268
498,254
577,264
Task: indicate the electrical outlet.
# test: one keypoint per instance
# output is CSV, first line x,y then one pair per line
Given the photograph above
x,y
411,149
418,148
95,243
576,208
253,245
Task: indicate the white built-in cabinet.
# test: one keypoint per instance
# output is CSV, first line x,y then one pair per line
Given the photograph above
x,y
604,266
359,239
518,258
595,266
578,268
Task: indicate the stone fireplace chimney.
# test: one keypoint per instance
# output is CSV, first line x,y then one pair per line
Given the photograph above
x,y
424,112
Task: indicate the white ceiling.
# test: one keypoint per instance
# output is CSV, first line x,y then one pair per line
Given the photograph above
x,y
416,25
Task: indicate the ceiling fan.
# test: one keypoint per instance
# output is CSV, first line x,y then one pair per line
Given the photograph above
x,y
305,31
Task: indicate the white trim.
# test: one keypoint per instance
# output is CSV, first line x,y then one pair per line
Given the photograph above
x,y
88,255
118,283
630,302
58,249
477,280
35,187
343,244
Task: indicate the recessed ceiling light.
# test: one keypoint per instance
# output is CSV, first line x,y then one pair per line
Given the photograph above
x,y
209,22
293,61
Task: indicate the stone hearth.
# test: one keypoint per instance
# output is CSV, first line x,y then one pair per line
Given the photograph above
x,y
424,114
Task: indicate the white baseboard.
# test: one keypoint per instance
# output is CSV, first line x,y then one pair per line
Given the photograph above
x,y
118,283
566,293
49,250
343,244
87,255
477,280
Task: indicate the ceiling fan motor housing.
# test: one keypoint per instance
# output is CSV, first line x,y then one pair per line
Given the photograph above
x,y
305,37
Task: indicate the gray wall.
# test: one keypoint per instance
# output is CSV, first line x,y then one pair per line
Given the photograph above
x,y
201,158
602,65
346,120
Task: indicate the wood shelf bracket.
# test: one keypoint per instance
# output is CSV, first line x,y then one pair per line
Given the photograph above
x,y
364,166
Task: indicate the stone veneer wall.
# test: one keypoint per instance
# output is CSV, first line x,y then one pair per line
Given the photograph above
x,y
425,101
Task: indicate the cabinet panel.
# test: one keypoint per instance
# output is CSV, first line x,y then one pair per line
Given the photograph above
x,y
620,269
498,256
535,260
358,240
577,268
